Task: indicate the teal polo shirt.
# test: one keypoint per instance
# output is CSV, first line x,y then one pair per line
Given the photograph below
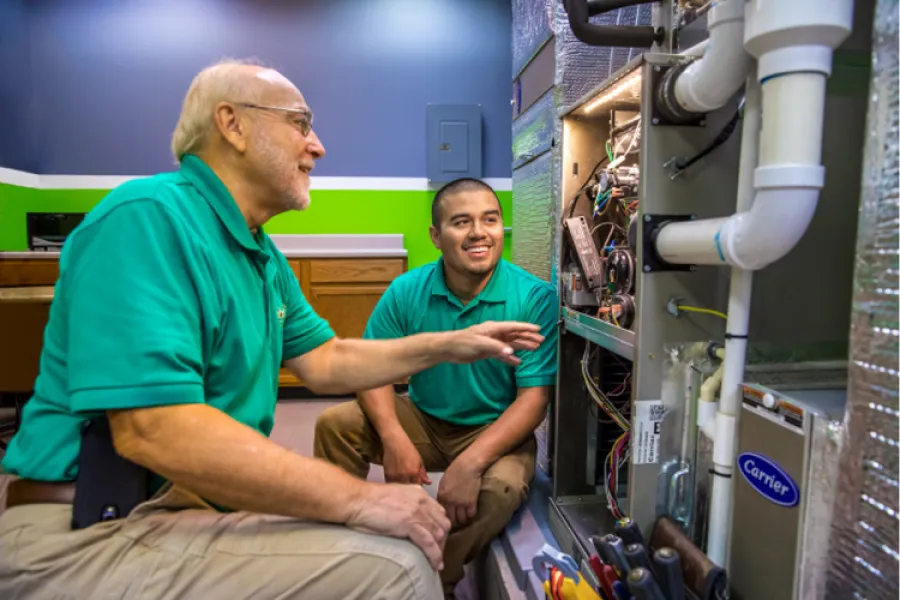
x,y
475,394
164,297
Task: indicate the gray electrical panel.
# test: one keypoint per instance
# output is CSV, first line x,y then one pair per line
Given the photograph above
x,y
453,141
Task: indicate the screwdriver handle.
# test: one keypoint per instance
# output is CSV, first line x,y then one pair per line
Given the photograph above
x,y
629,531
636,556
668,571
642,585
616,550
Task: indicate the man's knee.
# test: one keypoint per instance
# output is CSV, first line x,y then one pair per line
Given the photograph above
x,y
413,573
338,421
502,494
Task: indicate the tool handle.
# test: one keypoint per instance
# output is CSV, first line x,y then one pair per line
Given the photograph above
x,y
620,591
668,571
607,579
629,531
636,556
616,549
642,585
548,555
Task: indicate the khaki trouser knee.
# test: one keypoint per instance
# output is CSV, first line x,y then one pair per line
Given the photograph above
x,y
346,437
161,553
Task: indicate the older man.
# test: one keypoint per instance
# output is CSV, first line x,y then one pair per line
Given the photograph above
x,y
173,313
474,421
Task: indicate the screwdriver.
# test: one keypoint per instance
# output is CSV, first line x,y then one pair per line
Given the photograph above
x,y
629,531
668,570
642,585
616,551
637,557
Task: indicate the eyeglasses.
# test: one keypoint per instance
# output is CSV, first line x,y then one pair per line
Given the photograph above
x,y
302,117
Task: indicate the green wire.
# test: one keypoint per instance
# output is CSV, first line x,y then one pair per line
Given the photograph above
x,y
609,151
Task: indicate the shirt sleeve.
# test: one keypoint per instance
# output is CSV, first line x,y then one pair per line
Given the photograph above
x,y
538,367
386,321
304,330
129,291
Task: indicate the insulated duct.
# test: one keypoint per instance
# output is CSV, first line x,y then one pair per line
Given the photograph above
x,y
864,547
579,12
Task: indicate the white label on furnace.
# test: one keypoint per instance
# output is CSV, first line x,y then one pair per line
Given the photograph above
x,y
648,416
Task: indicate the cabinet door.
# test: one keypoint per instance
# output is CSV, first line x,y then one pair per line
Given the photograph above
x,y
346,307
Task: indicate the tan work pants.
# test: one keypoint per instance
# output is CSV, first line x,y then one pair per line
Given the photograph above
x,y
346,437
176,546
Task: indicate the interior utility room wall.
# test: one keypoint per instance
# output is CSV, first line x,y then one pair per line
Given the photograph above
x,y
95,87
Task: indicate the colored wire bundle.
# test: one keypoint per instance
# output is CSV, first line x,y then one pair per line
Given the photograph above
x,y
617,458
598,396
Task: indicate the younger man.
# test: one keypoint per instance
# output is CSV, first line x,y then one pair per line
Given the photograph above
x,y
474,422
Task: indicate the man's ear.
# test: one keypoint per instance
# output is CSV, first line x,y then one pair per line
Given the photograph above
x,y
435,236
231,126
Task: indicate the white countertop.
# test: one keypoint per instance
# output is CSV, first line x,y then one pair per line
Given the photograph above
x,y
389,245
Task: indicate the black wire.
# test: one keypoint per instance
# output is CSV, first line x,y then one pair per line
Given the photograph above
x,y
584,185
720,139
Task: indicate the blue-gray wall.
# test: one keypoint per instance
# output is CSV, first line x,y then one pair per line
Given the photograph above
x,y
109,75
18,128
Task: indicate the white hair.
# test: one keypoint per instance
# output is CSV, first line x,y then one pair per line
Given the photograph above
x,y
224,81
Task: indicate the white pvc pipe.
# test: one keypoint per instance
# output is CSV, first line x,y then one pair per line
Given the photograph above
x,y
697,50
707,84
788,181
738,326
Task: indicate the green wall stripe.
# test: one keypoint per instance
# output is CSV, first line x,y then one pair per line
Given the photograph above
x,y
331,211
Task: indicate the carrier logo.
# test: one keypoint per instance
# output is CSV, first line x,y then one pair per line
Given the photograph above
x,y
767,478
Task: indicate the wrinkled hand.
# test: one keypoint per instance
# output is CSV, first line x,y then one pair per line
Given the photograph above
x,y
493,339
403,511
458,492
402,462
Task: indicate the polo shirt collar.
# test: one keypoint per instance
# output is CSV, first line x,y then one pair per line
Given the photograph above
x,y
220,199
494,291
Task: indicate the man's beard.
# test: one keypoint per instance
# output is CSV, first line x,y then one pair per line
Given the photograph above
x,y
275,167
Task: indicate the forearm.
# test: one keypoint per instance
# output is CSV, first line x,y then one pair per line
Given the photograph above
x,y
379,404
511,429
348,365
232,465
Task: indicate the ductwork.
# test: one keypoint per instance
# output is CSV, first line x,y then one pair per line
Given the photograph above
x,y
793,42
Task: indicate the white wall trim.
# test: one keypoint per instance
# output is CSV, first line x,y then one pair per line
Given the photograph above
x,y
108,182
19,178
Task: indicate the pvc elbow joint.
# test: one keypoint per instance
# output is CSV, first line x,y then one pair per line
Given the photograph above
x,y
784,206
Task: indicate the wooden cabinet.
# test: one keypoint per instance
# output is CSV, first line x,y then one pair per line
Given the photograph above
x,y
343,291
17,272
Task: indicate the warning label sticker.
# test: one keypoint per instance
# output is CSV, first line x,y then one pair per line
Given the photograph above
x,y
648,416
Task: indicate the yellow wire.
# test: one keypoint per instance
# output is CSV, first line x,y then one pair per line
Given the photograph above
x,y
706,311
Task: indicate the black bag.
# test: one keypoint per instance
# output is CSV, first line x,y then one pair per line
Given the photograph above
x,y
108,486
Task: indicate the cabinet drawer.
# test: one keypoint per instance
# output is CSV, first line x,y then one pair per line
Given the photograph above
x,y
29,272
355,270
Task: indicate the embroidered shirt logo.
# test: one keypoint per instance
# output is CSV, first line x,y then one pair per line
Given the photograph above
x,y
281,312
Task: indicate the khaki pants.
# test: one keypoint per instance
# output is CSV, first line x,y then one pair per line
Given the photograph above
x,y
176,546
346,437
